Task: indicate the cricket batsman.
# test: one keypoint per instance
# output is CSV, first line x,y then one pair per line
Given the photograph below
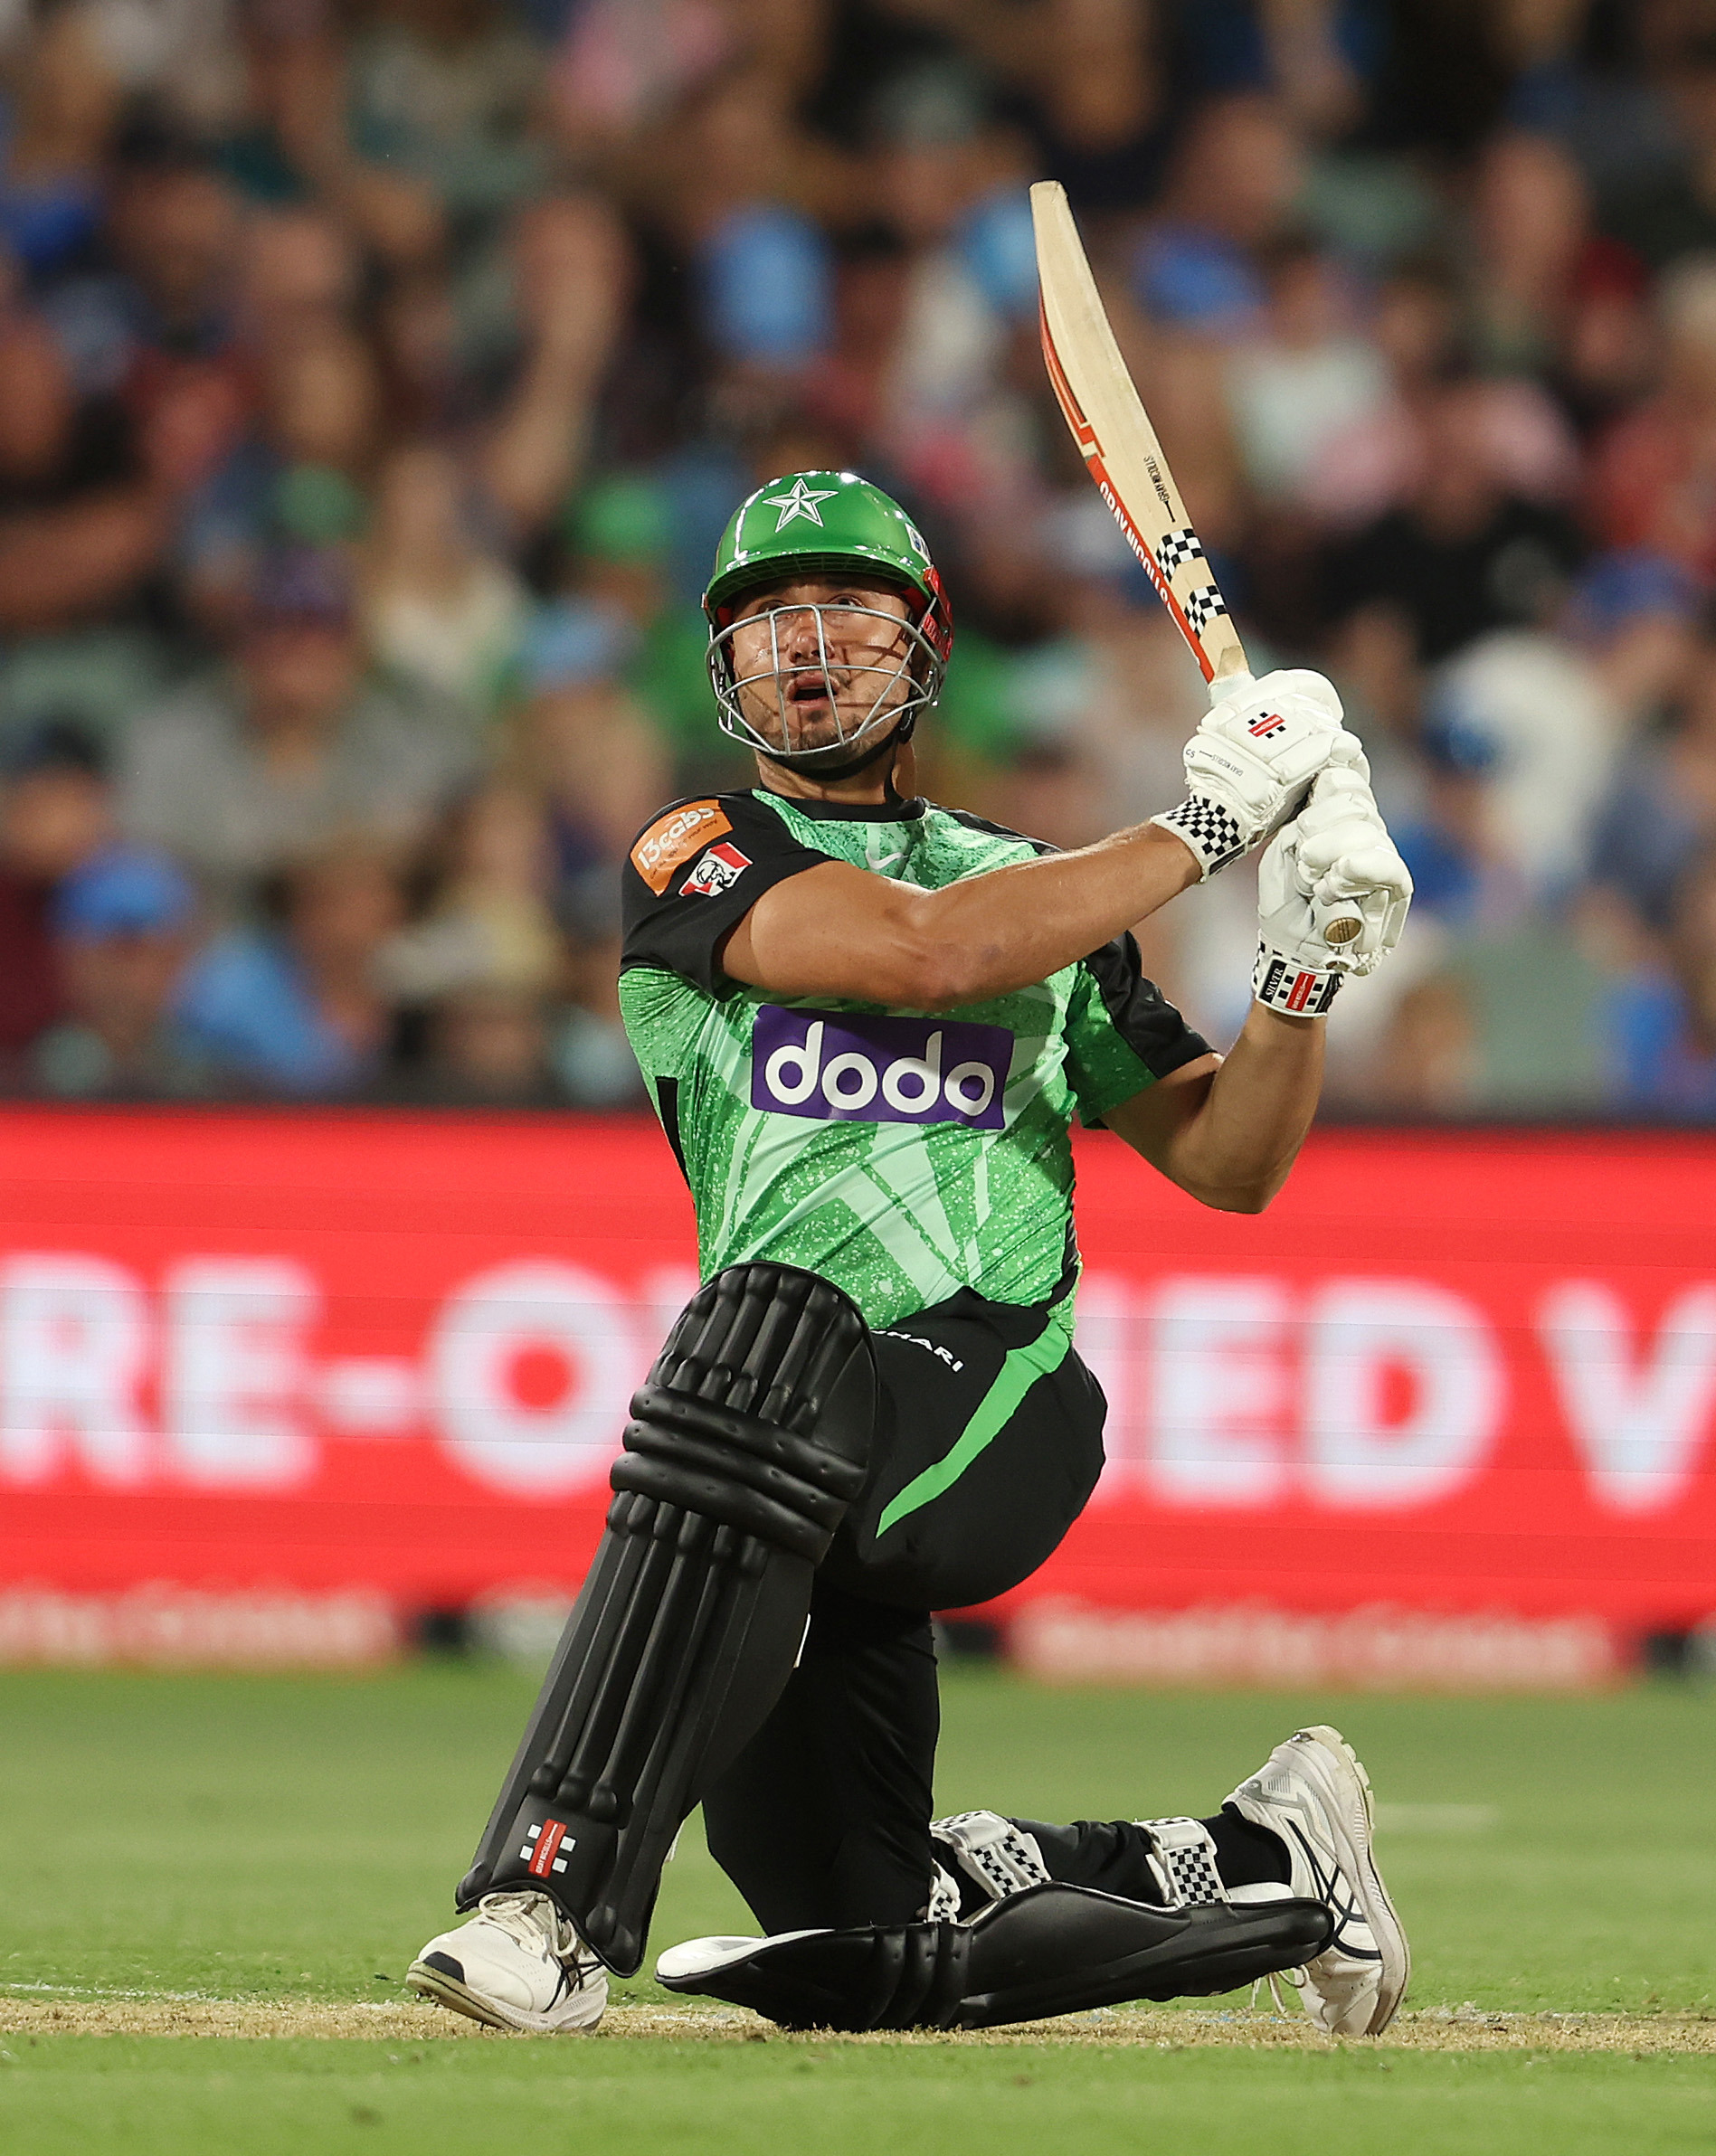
x,y
867,1023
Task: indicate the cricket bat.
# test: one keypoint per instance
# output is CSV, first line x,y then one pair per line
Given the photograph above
x,y
1121,452
1119,445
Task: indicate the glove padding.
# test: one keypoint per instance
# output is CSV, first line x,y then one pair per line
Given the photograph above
x,y
1335,859
1251,759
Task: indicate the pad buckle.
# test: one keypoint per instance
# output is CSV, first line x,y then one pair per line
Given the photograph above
x,y
996,1855
1184,1863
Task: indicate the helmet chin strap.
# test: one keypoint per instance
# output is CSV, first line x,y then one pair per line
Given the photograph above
x,y
890,745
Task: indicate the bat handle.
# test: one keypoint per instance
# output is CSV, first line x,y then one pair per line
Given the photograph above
x,y
1343,923
1236,684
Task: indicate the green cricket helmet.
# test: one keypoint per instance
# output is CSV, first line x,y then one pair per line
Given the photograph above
x,y
821,524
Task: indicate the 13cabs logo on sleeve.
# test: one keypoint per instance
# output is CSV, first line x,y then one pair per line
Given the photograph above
x,y
674,837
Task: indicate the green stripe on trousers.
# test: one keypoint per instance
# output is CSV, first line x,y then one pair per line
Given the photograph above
x,y
1020,1368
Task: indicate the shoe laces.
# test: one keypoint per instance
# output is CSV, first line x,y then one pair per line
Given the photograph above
x,y
535,1921
1297,1978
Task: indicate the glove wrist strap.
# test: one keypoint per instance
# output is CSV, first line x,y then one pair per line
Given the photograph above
x,y
1212,830
1291,985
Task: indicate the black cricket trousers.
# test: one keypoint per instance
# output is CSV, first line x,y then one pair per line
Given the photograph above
x,y
988,1444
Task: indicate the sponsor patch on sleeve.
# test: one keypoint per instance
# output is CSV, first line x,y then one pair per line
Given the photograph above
x,y
672,839
720,869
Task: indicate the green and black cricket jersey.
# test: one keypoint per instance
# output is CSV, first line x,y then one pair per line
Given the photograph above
x,y
921,1160
904,1155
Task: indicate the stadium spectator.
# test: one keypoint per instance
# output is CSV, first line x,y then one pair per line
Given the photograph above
x,y
294,477
571,268
489,920
488,1047
587,742
292,140
65,104
1662,813
592,1059
292,747
1662,1019
299,277
55,814
444,91
489,309
1528,221
439,610
1650,481
156,301
299,1008
1306,379
122,925
83,522
1472,550
1664,208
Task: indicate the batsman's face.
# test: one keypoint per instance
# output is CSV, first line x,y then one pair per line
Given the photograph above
x,y
816,660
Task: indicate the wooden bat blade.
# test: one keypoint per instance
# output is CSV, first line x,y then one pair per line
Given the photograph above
x,y
1118,443
1123,456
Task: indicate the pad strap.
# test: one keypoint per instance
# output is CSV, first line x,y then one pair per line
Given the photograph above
x,y
943,1902
1184,1863
995,1855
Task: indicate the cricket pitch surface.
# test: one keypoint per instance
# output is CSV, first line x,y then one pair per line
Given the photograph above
x,y
211,1886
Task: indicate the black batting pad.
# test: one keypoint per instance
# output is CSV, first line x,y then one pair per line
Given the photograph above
x,y
1050,1950
746,1446
879,1976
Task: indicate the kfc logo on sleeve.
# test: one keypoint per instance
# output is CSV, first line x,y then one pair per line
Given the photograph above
x,y
720,869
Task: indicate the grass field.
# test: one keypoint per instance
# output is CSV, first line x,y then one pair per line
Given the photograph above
x,y
210,1889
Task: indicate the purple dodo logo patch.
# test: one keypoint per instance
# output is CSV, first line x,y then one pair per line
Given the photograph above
x,y
833,1067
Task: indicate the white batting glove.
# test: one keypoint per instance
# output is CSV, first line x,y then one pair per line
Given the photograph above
x,y
1332,865
1251,759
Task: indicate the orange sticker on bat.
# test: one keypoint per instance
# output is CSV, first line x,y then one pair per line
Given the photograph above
x,y
673,838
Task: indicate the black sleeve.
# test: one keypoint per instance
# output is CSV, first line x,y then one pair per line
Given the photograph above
x,y
1123,1033
693,875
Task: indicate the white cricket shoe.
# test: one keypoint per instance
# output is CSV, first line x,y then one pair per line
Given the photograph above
x,y
1313,1792
518,1963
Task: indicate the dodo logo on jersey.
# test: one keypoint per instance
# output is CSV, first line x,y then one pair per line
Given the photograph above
x,y
673,838
833,1067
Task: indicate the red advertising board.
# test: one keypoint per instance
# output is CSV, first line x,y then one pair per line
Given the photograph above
x,y
385,1358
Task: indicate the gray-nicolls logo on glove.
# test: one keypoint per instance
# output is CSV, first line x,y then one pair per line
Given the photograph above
x,y
1333,894
1251,762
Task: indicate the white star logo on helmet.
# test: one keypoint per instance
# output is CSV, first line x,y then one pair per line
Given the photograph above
x,y
800,501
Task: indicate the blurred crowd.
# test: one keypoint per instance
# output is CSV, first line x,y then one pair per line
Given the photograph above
x,y
376,376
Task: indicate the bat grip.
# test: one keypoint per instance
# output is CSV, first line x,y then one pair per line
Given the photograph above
x,y
1223,686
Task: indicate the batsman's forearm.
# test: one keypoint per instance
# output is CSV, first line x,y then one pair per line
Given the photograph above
x,y
998,932
839,930
1237,1150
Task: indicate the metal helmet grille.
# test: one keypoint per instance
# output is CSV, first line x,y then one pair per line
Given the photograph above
x,y
863,690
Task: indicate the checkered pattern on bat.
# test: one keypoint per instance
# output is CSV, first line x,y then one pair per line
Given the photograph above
x,y
1212,831
1186,1856
1201,607
1177,548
